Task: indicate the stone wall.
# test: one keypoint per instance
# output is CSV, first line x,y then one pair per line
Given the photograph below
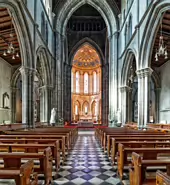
x,y
164,93
5,76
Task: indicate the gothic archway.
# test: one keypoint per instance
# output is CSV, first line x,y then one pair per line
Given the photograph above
x,y
43,87
109,15
21,29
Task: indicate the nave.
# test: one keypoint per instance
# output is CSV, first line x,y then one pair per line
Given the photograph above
x,y
87,164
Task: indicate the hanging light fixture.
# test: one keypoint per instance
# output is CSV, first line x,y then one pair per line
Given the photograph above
x,y
162,50
11,49
17,55
4,53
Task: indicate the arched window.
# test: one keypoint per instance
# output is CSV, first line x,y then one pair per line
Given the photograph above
x,y
126,29
86,84
46,32
77,82
94,82
43,24
130,27
76,110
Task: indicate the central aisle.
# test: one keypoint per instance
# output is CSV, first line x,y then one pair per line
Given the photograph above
x,y
87,164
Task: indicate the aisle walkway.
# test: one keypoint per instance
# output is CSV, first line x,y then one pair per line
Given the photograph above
x,y
87,165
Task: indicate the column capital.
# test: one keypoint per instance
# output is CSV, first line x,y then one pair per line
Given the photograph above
x,y
13,89
27,70
46,87
125,88
115,34
141,73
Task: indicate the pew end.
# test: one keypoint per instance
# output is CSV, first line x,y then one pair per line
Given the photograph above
x,y
162,178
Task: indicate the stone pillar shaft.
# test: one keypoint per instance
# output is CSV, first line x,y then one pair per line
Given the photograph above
x,y
143,96
113,102
13,104
28,96
157,95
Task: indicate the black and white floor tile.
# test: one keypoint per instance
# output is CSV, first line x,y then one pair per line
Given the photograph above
x,y
86,164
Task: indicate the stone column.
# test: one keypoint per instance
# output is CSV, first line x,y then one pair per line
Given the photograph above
x,y
27,96
147,74
45,92
157,101
74,81
143,96
59,77
140,98
129,104
113,80
13,104
68,103
124,102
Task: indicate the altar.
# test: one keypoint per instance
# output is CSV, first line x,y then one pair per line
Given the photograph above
x,y
85,123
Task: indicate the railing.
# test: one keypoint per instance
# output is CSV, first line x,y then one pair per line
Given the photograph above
x,y
86,94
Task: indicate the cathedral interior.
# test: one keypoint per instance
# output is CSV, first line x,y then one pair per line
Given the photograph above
x,y
84,92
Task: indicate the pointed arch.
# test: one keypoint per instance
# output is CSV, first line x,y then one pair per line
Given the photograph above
x,y
22,31
129,56
80,44
41,53
77,107
148,38
64,12
85,107
93,108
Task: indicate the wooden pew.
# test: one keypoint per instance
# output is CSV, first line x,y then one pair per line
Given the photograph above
x,y
39,139
128,133
33,148
134,138
39,135
13,161
23,176
136,144
70,133
162,178
138,168
147,153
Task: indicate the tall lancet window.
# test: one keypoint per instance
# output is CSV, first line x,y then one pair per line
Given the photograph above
x,y
86,83
76,110
77,82
94,82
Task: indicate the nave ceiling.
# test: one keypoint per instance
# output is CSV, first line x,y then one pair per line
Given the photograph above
x,y
7,36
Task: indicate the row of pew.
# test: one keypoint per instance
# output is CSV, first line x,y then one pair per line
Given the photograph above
x,y
139,150
24,154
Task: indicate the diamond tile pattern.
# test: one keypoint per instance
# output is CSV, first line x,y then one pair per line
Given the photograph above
x,y
86,164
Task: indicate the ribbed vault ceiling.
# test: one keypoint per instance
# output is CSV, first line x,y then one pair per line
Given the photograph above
x,y
86,57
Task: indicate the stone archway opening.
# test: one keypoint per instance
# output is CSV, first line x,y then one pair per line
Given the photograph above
x,y
10,60
84,28
86,85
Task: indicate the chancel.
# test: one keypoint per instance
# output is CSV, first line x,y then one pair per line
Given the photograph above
x,y
84,92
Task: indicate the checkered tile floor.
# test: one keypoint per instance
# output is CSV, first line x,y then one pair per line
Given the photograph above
x,y
86,164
